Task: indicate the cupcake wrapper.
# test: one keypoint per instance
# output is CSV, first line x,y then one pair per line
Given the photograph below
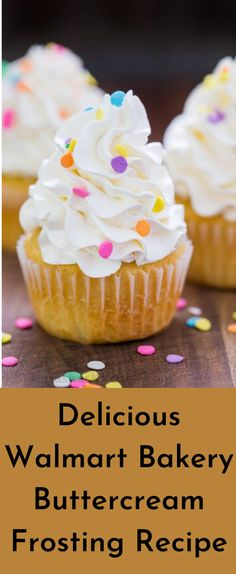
x,y
134,303
214,255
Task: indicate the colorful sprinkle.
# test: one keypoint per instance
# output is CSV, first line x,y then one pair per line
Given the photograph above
x,y
194,310
191,322
61,382
113,385
159,204
4,67
174,359
67,160
22,87
63,113
9,361
117,98
203,324
146,350
24,323
232,328
143,227
181,304
88,109
72,144
72,375
8,118
91,80
199,135
234,315
80,192
105,249
122,150
96,365
25,65
224,74
216,117
78,384
90,376
119,164
92,386
67,142
99,114
210,81
6,338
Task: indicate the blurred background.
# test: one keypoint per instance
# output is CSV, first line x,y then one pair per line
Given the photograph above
x,y
160,48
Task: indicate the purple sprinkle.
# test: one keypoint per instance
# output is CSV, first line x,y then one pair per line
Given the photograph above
x,y
67,142
216,117
174,359
119,164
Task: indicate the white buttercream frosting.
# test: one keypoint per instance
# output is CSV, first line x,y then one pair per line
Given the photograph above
x,y
201,144
115,203
40,90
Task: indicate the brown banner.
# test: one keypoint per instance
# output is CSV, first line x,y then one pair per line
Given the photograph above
x,y
120,479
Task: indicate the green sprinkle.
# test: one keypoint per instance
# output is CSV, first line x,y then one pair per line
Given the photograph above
x,y
4,67
72,375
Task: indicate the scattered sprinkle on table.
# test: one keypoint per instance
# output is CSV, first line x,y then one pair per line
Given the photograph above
x,y
96,365
232,328
90,376
9,361
181,304
146,350
194,310
174,359
24,323
61,382
113,385
191,322
72,375
203,324
78,384
234,315
6,338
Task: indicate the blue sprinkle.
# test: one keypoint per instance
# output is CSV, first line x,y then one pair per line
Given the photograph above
x,y
88,109
15,78
117,98
191,322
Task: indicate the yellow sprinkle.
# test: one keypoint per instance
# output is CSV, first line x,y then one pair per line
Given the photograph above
x,y
6,338
203,324
113,385
234,315
204,109
210,81
90,376
224,75
122,150
99,114
91,80
199,135
159,204
72,145
63,197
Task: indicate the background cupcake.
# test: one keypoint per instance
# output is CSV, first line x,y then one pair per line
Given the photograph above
x,y
201,157
106,254
40,91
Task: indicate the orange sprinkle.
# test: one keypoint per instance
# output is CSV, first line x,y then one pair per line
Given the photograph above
x,y
23,87
67,160
143,227
232,328
63,113
25,65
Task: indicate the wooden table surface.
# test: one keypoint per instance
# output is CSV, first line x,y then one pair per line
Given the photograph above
x,y
210,358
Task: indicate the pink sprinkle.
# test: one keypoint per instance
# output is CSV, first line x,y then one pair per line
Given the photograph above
x,y
174,359
146,349
8,118
182,304
59,48
78,384
105,249
9,361
80,192
24,323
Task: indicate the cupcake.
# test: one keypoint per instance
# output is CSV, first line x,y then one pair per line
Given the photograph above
x,y
201,157
105,253
40,90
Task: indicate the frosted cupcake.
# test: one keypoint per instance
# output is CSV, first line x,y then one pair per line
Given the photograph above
x,y
201,157
40,90
105,253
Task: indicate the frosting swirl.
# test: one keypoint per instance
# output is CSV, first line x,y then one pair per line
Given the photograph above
x,y
104,197
201,144
40,90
